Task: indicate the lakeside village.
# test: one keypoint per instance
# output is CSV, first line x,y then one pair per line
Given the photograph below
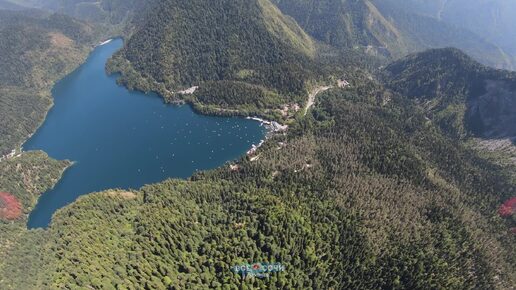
x,y
275,127
272,127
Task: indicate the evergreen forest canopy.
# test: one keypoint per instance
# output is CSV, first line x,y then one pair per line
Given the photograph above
x,y
377,187
173,48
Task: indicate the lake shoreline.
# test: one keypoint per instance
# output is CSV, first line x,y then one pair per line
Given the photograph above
x,y
164,141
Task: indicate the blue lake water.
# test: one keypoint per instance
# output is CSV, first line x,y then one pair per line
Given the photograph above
x,y
126,139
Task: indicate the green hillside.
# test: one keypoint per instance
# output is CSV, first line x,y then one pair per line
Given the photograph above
x,y
22,251
374,188
346,24
37,49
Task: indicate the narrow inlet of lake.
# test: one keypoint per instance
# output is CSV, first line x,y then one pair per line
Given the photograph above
x,y
126,139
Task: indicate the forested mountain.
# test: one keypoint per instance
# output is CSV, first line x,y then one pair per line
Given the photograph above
x,y
174,47
179,44
345,24
461,94
37,49
23,179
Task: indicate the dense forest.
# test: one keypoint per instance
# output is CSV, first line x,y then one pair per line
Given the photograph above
x,y
177,48
23,179
358,195
173,48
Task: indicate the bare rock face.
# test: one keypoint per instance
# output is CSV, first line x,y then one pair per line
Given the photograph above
x,y
493,114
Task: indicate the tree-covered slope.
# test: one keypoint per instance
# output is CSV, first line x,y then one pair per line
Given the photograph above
x,y
36,50
178,44
461,94
21,251
362,194
346,24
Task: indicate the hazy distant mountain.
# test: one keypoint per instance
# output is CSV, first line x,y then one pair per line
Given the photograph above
x,y
492,20
386,28
5,4
109,11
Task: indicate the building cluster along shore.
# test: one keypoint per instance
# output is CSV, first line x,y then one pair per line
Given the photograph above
x,y
272,127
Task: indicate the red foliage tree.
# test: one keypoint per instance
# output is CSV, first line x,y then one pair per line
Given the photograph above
x,y
508,208
10,207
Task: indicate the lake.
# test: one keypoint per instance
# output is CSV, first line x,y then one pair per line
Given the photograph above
x,y
126,139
